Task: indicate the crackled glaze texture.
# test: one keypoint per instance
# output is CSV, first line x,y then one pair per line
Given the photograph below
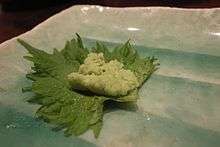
x,y
180,104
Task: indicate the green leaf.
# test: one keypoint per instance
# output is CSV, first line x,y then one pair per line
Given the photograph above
x,y
125,54
75,51
97,128
54,65
67,109
143,68
101,48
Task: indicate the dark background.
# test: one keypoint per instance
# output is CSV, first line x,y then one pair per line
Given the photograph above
x,y
19,16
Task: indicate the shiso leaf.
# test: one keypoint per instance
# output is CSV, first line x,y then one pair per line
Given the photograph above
x,y
73,111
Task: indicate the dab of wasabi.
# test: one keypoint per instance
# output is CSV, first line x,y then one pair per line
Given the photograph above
x,y
104,78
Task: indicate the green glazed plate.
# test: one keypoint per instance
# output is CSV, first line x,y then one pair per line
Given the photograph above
x,y
179,105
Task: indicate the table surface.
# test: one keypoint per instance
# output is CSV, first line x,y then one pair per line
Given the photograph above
x,y
17,18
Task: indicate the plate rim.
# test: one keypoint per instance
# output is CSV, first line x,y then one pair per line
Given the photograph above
x,y
63,12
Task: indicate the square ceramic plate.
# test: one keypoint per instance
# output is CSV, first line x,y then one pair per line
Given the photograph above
x,y
179,105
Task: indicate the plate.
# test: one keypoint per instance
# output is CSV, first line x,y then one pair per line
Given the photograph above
x,y
179,105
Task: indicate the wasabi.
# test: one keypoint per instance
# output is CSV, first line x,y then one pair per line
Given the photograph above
x,y
104,78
